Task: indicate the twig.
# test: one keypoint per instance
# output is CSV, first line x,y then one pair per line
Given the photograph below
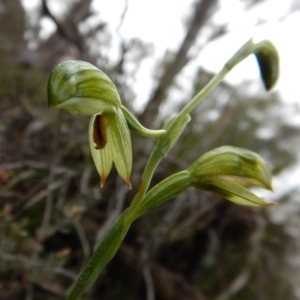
x,y
62,194
169,285
149,281
84,180
122,18
83,239
24,163
68,29
53,162
29,291
242,278
28,263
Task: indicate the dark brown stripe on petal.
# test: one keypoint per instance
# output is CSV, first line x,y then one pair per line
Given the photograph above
x,y
99,131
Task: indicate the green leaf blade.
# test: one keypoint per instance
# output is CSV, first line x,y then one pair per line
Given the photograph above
x,y
103,254
165,190
232,192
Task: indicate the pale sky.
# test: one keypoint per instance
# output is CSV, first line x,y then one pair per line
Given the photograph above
x,y
154,22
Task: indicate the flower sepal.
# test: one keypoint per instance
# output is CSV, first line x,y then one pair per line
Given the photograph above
x,y
229,171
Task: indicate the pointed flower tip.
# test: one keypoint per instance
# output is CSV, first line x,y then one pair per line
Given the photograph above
x,y
128,183
102,181
266,203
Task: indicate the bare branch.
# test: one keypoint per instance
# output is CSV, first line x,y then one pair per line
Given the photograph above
x,y
202,12
68,29
122,16
168,285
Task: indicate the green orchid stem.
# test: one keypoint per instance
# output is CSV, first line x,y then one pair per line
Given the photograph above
x,y
150,168
247,49
135,125
102,256
158,154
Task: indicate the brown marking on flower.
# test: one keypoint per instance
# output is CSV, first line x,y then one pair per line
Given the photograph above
x,y
102,180
99,131
128,183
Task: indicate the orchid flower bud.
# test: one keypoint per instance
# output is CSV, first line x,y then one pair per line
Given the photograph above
x,y
268,61
229,171
80,87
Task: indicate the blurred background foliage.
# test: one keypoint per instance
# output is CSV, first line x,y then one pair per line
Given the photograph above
x,y
53,213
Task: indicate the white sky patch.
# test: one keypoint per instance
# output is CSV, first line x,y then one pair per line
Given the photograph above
x,y
152,22
233,10
265,133
47,28
276,26
57,7
288,180
266,12
30,4
282,35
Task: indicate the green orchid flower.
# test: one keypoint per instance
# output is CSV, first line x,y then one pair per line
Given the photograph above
x,y
229,171
80,87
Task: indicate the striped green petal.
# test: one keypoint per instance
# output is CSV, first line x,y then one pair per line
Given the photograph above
x,y
118,136
231,191
80,87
